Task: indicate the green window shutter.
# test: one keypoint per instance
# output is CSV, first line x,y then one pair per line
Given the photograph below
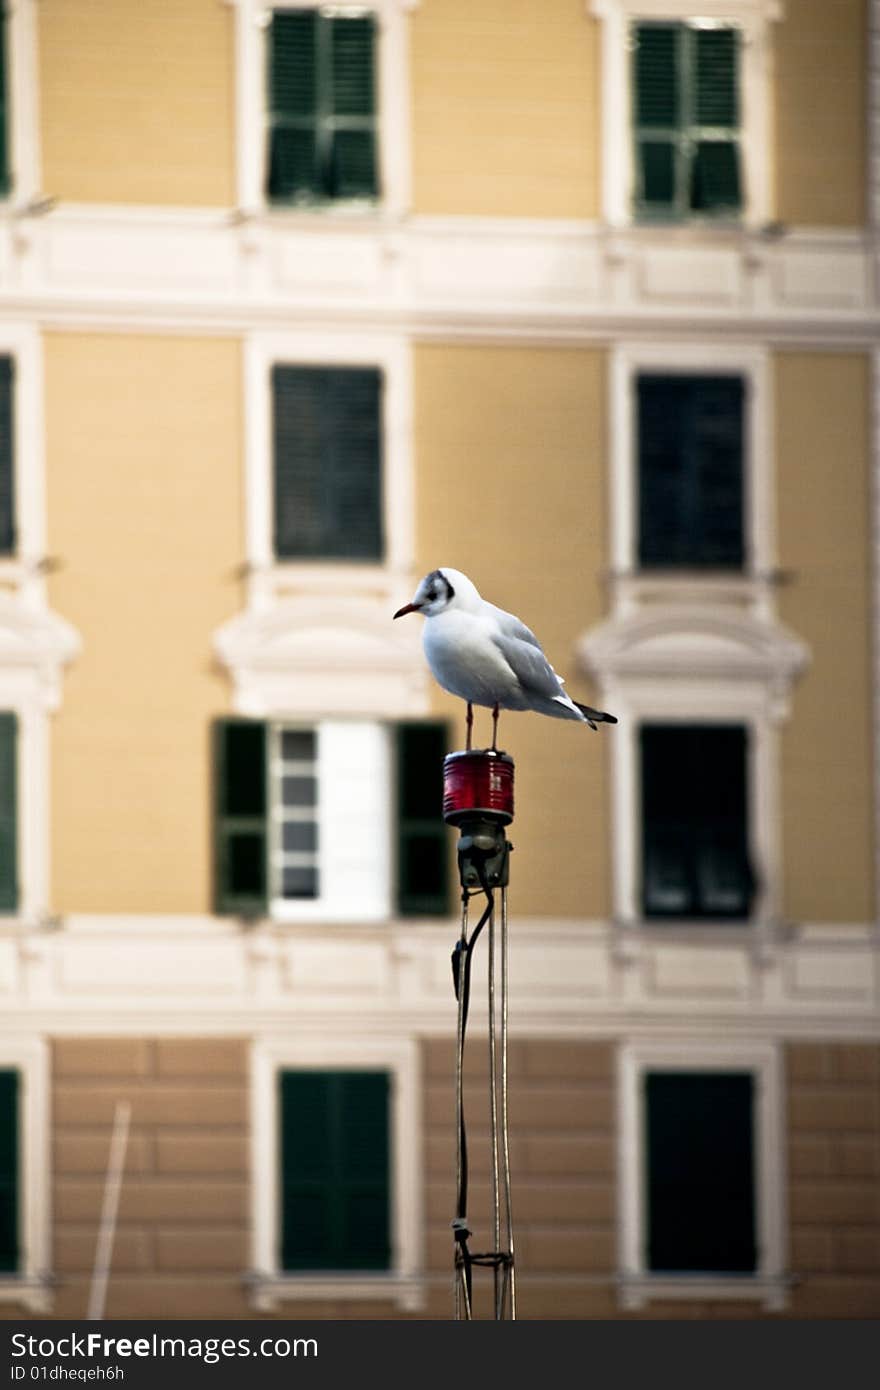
x,y
715,179
327,443
657,101
8,812
5,85
691,471
322,118
352,172
9,1254
656,69
699,1131
695,858
335,1208
240,816
7,456
686,116
293,164
422,839
717,89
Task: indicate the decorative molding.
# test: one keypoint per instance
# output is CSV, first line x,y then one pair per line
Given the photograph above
x,y
317,655
143,269
352,1050
695,641
577,979
638,1285
34,647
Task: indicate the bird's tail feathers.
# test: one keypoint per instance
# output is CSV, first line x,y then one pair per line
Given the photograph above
x,y
595,716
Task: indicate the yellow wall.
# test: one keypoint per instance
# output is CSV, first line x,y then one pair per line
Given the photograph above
x,y
510,450
820,50
137,100
145,506
505,101
822,449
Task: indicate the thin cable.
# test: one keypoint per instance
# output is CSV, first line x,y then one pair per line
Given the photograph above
x,y
461,973
493,1115
510,1271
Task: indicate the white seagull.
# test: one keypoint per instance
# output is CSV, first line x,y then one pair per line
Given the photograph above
x,y
488,657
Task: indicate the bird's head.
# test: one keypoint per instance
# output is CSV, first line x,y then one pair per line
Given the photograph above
x,y
439,590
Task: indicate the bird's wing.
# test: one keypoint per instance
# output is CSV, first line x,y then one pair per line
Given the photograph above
x,y
522,652
511,626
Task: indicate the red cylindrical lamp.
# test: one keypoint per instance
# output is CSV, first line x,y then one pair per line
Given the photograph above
x,y
478,786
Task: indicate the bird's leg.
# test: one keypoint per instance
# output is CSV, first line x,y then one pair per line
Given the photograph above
x,y
469,721
494,727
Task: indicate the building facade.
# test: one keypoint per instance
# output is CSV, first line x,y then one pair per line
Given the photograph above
x,y
299,301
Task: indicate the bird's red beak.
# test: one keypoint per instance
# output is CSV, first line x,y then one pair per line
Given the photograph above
x,y
407,608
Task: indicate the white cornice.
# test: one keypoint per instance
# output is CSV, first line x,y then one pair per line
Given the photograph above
x,y
572,979
198,270
694,641
34,646
765,10
323,655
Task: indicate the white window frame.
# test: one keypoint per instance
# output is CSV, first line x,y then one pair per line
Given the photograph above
x,y
403,1283
40,643
22,107
637,1284
343,895
689,703
30,1288
753,17
392,356
393,114
753,364
22,571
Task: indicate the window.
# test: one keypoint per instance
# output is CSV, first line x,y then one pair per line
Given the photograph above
x,y
695,861
294,860
686,113
701,1167
336,1151
686,91
690,471
305,820
25,1207
322,109
8,812
422,855
7,454
699,1138
322,105
327,450
9,1137
335,1170
4,114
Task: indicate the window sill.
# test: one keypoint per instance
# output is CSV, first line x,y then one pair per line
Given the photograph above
x,y
350,578
635,1291
32,1294
267,1291
729,587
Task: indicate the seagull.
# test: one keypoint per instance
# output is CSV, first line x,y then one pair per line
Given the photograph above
x,y
488,657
